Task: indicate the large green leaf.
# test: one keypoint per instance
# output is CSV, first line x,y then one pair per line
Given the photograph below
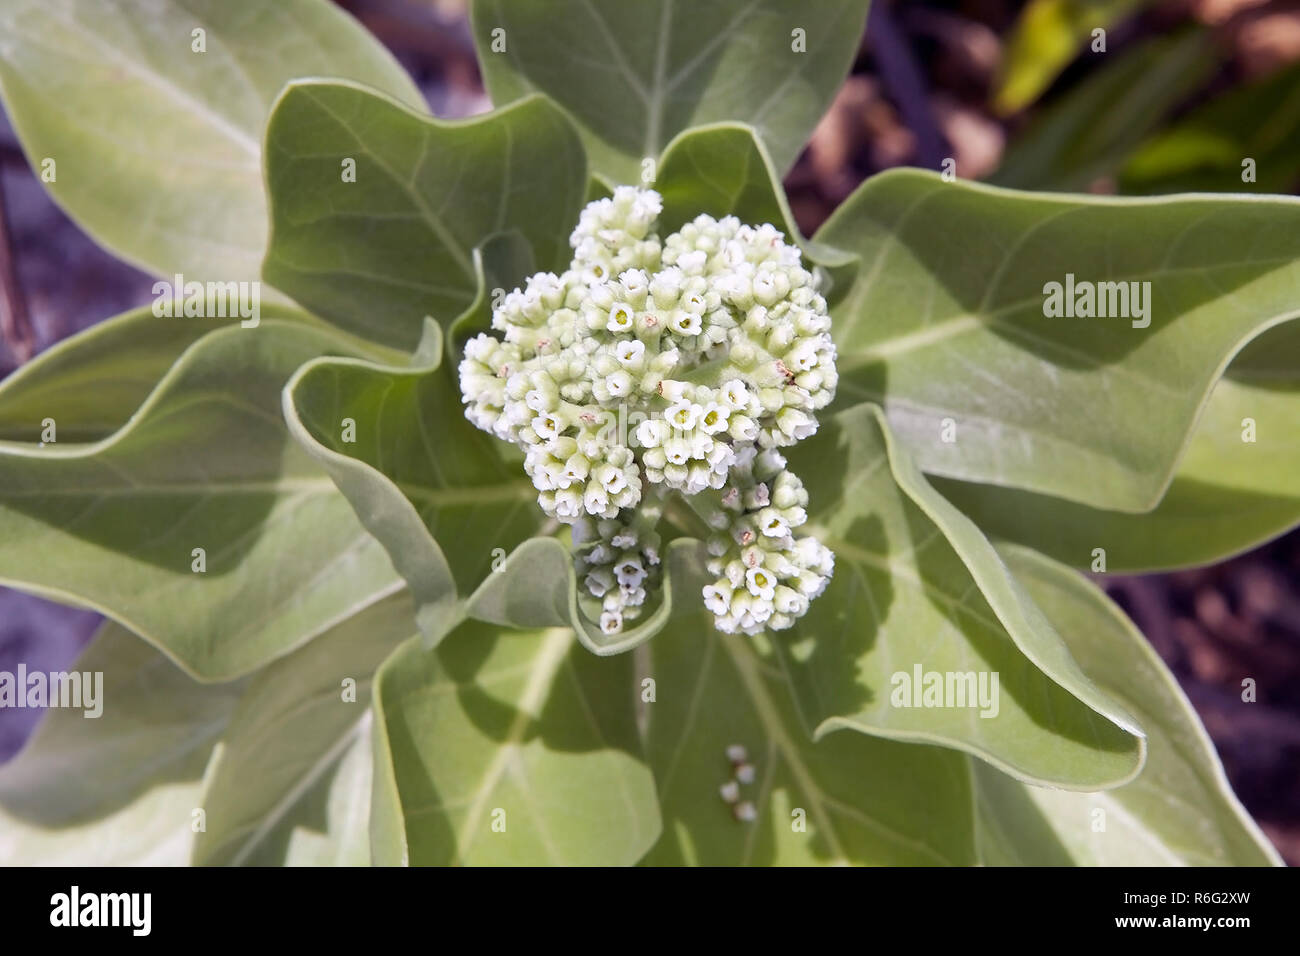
x,y
119,789
91,383
521,730
416,471
1091,131
918,591
945,321
381,252
1205,149
634,75
1227,496
206,462
158,147
330,822
289,738
848,798
1179,811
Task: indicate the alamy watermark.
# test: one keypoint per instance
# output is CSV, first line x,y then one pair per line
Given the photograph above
x,y
208,300
946,689
75,908
82,690
1102,300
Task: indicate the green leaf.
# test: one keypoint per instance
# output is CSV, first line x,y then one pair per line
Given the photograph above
x,y
536,586
119,789
522,731
1205,150
1048,35
1091,131
1227,496
848,798
918,590
634,75
157,148
944,325
725,170
206,462
289,737
1180,811
330,825
415,470
92,382
377,254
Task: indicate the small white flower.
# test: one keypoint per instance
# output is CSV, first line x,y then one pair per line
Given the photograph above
x,y
630,353
620,317
652,432
547,426
687,323
714,418
683,415
673,391
796,424
761,583
595,500
568,504
717,598
772,524
597,583
634,283
613,481
630,573
735,395
619,384
576,467
742,428
677,451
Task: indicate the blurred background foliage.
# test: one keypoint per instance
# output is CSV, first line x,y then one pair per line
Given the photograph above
x,y
1169,96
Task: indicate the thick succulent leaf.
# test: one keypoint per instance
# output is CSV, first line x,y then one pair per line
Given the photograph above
x,y
378,250
1204,150
1090,132
1228,495
1048,35
330,823
417,472
280,763
1179,811
157,147
918,590
206,462
509,748
634,75
944,324
92,382
119,789
536,586
725,170
846,798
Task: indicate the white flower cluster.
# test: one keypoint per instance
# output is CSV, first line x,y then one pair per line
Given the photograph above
x,y
615,561
667,364
767,574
